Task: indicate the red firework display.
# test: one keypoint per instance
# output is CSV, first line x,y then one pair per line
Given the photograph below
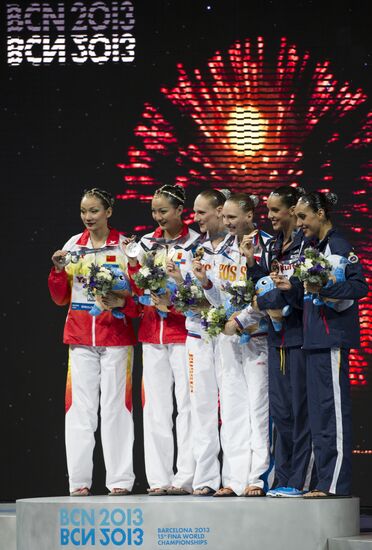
x,y
252,122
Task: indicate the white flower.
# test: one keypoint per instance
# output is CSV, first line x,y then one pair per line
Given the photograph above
x,y
194,290
145,271
104,274
308,263
240,283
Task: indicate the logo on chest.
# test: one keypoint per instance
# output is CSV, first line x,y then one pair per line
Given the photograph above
x,y
232,272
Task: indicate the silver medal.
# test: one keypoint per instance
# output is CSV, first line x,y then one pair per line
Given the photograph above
x,y
132,249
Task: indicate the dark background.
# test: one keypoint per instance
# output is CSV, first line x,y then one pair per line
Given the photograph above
x,y
65,128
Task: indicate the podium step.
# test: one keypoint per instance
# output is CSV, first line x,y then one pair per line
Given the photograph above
x,y
7,527
153,523
360,542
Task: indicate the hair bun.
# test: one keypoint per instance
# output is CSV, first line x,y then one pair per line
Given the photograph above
x,y
300,191
331,198
225,192
180,190
255,200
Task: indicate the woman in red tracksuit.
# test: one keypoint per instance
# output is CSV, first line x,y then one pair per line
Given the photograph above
x,y
100,352
164,356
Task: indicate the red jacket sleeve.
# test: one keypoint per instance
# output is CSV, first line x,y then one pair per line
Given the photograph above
x,y
59,287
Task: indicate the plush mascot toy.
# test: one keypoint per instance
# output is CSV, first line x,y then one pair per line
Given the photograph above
x,y
121,283
263,286
339,264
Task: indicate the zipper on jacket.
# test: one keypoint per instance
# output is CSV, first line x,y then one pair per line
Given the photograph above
x,y
161,330
93,331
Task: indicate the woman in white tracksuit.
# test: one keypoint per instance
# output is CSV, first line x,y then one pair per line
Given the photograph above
x,y
203,356
100,352
244,392
164,358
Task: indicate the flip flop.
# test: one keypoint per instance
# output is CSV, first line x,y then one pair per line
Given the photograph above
x,y
177,491
204,491
317,493
157,492
81,492
253,491
225,492
118,492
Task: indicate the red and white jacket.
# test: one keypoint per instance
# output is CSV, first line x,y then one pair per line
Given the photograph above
x,y
66,287
155,329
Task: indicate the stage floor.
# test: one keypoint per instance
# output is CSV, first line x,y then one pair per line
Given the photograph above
x,y
154,522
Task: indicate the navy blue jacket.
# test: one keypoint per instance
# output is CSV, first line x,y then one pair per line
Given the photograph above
x,y
291,334
323,326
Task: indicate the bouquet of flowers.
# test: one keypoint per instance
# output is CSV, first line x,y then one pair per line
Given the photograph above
x,y
240,296
151,277
187,295
313,268
213,320
100,281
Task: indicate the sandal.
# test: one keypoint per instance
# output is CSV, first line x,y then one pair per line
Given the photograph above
x,y
253,491
225,492
317,493
157,492
81,492
173,491
204,491
118,492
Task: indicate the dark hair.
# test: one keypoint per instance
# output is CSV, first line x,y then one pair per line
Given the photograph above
x,y
317,201
174,193
246,202
104,196
216,196
288,195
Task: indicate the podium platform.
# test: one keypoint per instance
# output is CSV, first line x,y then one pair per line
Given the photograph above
x,y
7,527
152,523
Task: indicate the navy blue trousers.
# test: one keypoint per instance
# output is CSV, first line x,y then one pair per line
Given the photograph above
x,y
288,410
329,402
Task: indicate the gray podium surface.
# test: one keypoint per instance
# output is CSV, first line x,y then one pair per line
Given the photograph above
x,y
7,527
361,542
169,522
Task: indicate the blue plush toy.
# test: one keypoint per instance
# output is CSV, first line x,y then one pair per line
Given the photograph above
x,y
121,283
339,264
263,286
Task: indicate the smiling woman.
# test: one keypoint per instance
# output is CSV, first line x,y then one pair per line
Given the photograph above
x,y
100,351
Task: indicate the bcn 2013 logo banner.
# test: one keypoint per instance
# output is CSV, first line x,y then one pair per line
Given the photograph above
x,y
41,33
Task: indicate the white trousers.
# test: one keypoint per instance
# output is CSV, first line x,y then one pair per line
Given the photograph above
x,y
205,379
244,412
164,367
100,376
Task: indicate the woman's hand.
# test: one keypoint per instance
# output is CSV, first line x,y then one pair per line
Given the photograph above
x,y
247,248
231,328
280,281
200,272
254,304
173,270
57,260
312,289
113,299
161,301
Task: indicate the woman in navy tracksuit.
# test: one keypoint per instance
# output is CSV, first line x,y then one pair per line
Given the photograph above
x,y
329,333
287,368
